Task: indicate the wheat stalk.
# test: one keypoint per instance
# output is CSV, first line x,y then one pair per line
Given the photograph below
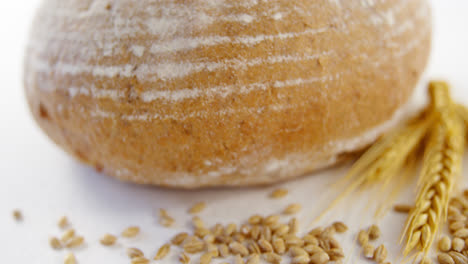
x,y
441,166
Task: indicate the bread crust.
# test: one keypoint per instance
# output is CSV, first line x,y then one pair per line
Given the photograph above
x,y
198,93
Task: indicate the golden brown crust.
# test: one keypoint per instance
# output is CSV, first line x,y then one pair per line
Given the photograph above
x,y
244,99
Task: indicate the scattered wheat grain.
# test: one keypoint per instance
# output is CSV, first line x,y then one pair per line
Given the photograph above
x,y
319,258
278,193
380,254
140,260
184,259
445,258
55,243
368,251
301,259
69,234
270,220
108,240
69,259
163,251
374,232
134,253
279,246
197,208
223,250
198,222
230,229
272,258
179,238
75,242
458,258
238,259
292,209
445,244
363,238
265,245
17,215
238,248
462,233
63,222
206,258
131,231
402,208
340,227
253,259
458,244
311,249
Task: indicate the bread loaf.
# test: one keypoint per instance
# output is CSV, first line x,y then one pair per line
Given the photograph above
x,y
194,93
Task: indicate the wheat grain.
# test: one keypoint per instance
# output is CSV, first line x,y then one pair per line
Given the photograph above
x,y
75,242
255,219
319,258
279,193
310,240
253,247
163,251
197,222
253,259
108,240
140,260
194,246
63,222
223,250
445,244
69,234
230,229
340,227
184,259
272,258
301,259
55,243
131,231
458,244
238,259
179,238
458,258
279,246
463,233
134,253
69,259
363,238
445,258
281,230
311,249
197,208
271,220
206,258
402,208
335,254
456,225
441,166
293,226
238,248
17,215
292,240
292,209
265,245
380,254
368,251
374,232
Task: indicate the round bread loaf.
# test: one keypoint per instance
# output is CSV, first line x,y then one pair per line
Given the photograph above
x,y
220,92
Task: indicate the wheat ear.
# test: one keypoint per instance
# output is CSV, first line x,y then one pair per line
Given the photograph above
x,y
384,158
440,169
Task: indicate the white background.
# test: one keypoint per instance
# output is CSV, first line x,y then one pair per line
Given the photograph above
x,y
44,183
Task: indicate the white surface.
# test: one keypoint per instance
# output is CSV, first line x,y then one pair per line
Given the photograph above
x,y
45,183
